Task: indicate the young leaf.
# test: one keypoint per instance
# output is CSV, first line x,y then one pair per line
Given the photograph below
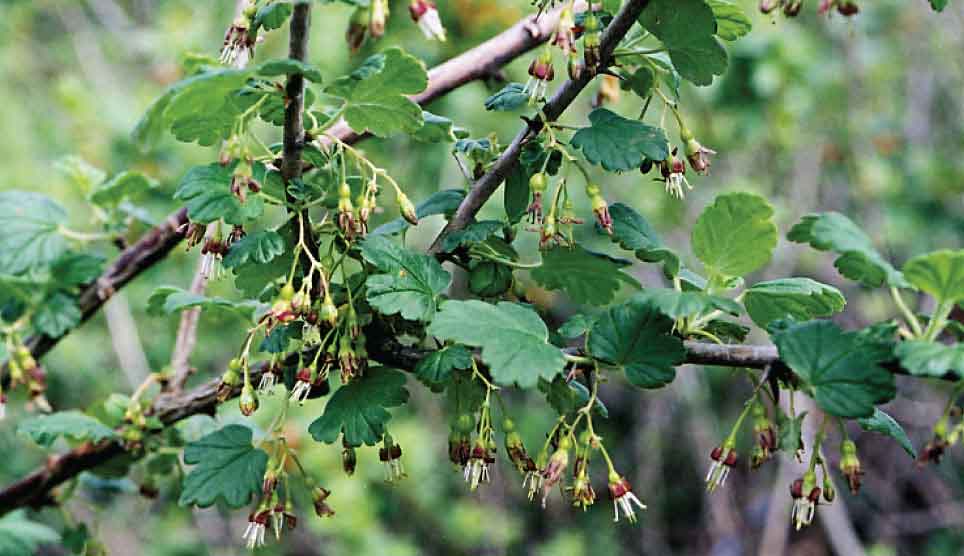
x,y
436,129
45,429
359,409
922,358
260,247
75,269
289,66
510,97
227,467
632,231
859,261
586,277
642,81
440,202
436,367
882,423
940,274
411,282
206,190
938,5
844,377
675,304
617,143
576,326
686,29
731,21
280,336
272,15
794,298
514,340
374,93
735,235
473,233
19,536
123,186
636,337
56,314
171,299
31,239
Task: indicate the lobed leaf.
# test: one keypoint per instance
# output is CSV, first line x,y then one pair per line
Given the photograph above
x,y
358,410
227,467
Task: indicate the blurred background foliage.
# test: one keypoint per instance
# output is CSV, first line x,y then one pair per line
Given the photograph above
x,y
862,115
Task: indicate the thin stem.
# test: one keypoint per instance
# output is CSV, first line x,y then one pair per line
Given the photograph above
x,y
908,314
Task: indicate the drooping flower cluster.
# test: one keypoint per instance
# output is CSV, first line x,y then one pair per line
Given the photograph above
x,y
426,16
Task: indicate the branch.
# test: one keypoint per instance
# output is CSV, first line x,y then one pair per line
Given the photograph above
x,y
473,64
487,184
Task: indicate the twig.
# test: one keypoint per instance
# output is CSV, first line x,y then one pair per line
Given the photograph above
x,y
567,93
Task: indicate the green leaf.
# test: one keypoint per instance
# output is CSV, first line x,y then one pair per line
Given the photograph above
x,y
227,467
272,15
686,29
57,314
374,93
489,279
735,235
411,282
289,66
80,173
31,239
260,247
568,397
940,274
617,143
359,409
642,81
632,231
170,299
844,377
794,298
922,358
436,129
473,233
278,339
19,536
437,367
75,269
514,340
510,97
45,429
576,326
201,108
938,5
791,432
731,21
636,337
586,277
441,202
206,190
123,186
859,261
676,304
882,423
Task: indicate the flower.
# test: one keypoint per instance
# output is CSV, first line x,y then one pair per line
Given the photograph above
x,y
592,55
407,209
724,458
537,185
357,28
268,379
426,17
3,405
541,73
248,402
477,469
514,447
850,465
623,498
257,524
674,175
390,455
229,380
238,47
319,495
934,450
302,388
349,459
379,15
805,494
533,478
583,495
281,517
698,156
553,471
765,434
565,34
599,208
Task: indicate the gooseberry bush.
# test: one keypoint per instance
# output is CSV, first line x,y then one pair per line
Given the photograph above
x,y
345,319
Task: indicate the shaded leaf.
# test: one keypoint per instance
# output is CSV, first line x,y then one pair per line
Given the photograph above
x,y
437,367
206,190
514,340
794,298
56,314
260,247
731,21
922,358
617,143
882,423
441,202
45,429
359,409
227,467
676,304
586,277
687,28
289,66
940,274
411,282
510,97
20,536
123,186
30,238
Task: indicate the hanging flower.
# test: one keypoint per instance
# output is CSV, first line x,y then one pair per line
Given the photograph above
x,y
532,481
600,208
319,495
554,470
724,459
238,47
357,28
541,73
623,498
697,155
582,492
302,388
850,465
674,176
477,469
537,186
390,455
349,459
426,17
379,16
268,380
257,525
565,35
591,44
805,494
229,380
248,402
